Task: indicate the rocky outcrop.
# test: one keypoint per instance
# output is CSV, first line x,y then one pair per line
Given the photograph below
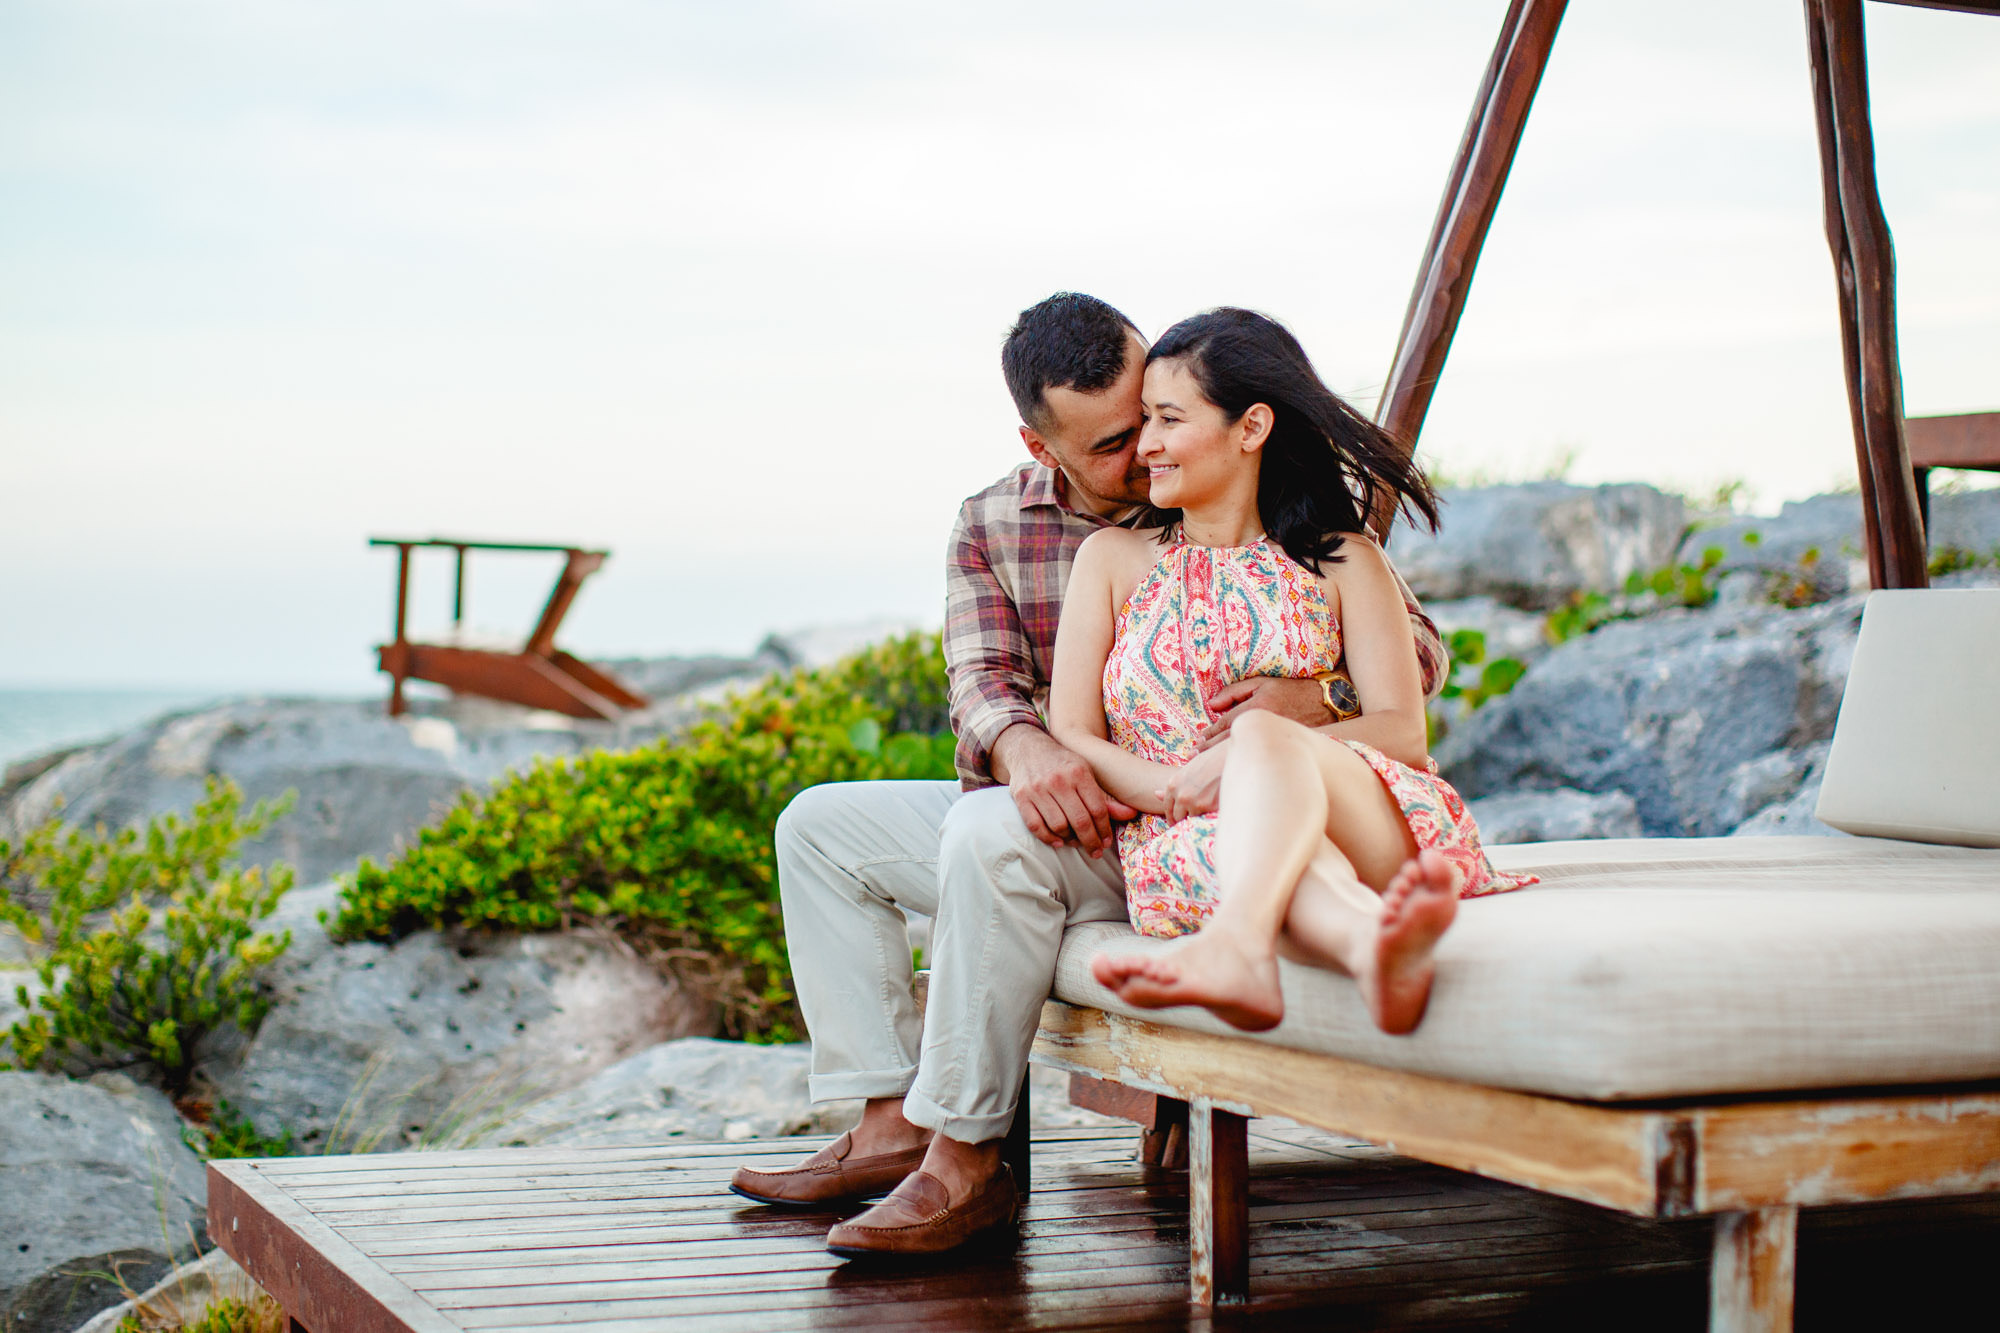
x,y
1818,541
1555,816
366,782
430,1038
695,1088
1668,711
99,1188
185,1294
1531,546
700,1089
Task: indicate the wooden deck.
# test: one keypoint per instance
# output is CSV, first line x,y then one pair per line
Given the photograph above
x,y
1342,1236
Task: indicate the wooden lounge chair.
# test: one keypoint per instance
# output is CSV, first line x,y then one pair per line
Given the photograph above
x,y
536,675
1728,1026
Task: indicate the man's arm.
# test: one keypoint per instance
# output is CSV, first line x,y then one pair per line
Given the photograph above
x,y
987,655
1001,738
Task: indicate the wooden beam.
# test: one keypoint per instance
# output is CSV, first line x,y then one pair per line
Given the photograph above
x,y
1962,6
1968,440
579,566
1471,193
1218,1205
1754,1272
1672,1160
1630,1159
1845,1150
1865,269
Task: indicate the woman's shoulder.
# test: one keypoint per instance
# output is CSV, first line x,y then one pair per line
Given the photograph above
x,y
1118,548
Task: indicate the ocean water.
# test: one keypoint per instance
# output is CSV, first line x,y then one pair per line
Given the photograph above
x,y
33,722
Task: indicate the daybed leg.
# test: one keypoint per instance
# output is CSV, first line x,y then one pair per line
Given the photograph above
x,y
1218,1205
1017,1149
1750,1283
1164,1143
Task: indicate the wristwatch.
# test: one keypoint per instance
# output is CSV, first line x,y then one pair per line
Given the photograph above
x,y
1336,691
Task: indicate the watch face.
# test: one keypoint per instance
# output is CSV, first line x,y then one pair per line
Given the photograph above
x,y
1346,702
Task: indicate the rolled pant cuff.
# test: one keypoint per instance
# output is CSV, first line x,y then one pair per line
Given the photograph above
x,y
867,1083
921,1111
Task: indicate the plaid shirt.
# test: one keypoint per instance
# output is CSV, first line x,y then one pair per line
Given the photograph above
x,y
1009,561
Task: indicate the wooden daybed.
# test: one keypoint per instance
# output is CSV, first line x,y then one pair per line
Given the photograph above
x,y
1669,1027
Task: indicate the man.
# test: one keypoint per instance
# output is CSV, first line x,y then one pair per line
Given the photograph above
x,y
1006,859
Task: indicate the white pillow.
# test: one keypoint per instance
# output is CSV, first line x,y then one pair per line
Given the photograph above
x,y
1916,752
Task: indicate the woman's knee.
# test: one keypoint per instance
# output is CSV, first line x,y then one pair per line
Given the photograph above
x,y
1265,731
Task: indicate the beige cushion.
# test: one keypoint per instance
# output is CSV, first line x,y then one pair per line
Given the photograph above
x,y
1916,753
1667,967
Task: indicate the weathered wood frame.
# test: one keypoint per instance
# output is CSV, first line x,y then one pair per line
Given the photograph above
x,y
1857,234
1751,1164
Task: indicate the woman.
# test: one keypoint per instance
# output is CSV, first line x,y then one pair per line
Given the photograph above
x,y
1348,853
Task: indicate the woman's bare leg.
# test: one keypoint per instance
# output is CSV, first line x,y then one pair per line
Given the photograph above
x,y
1384,942
1285,791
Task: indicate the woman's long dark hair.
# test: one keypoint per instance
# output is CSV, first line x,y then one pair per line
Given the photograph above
x,y
1325,465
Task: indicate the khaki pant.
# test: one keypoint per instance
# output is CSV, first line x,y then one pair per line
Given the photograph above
x,y
851,855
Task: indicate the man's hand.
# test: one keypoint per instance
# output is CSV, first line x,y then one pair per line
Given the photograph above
x,y
1298,700
1196,788
1056,792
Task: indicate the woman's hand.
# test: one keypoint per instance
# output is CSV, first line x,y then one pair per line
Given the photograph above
x,y
1196,787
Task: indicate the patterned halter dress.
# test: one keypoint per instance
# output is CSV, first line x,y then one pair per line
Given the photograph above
x,y
1204,617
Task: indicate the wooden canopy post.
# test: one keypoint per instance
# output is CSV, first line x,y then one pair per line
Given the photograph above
x,y
1478,174
1864,264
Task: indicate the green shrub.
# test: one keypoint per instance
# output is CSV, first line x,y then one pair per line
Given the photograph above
x,y
1582,613
1473,678
670,843
260,1313
145,941
1950,559
1682,584
229,1133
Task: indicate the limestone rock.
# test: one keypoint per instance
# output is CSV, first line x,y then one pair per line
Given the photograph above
x,y
185,1294
1555,816
1667,710
1532,545
1819,540
97,1180
1790,807
429,1038
366,782
696,1088
1509,633
701,1089
823,645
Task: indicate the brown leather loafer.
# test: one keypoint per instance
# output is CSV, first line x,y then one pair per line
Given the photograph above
x,y
830,1177
917,1220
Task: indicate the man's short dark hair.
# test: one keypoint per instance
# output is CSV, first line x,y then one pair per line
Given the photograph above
x,y
1069,341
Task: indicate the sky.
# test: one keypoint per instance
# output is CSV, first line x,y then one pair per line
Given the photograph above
x,y
721,287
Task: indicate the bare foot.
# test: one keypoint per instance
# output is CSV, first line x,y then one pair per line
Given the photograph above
x,y
1417,907
1213,969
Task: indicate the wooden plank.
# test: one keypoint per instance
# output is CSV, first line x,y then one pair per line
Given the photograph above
x,y
1969,440
1767,1155
319,1278
1105,1290
1472,193
1622,1158
1754,1271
